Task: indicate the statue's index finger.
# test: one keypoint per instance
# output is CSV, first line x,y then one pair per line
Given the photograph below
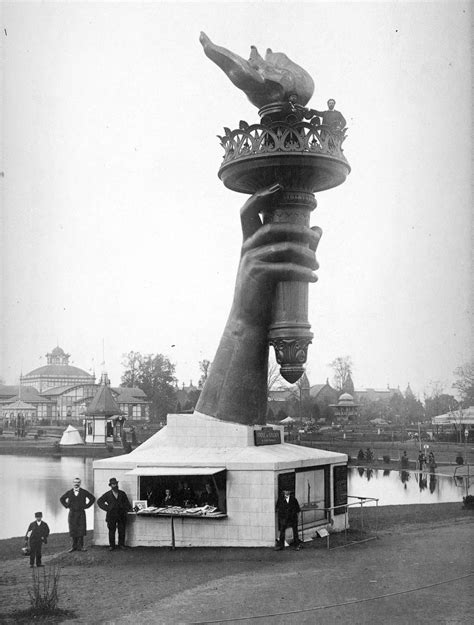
x,y
250,211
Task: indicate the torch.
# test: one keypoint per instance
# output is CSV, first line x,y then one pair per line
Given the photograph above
x,y
288,146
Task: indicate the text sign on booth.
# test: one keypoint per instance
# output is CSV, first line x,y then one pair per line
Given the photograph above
x,y
267,436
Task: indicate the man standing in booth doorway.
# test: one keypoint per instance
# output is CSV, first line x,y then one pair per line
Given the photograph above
x,y
116,505
77,500
287,508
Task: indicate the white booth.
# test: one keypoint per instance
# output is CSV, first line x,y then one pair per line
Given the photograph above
x,y
244,467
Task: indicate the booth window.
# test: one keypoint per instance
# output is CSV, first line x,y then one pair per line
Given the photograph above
x,y
311,486
188,486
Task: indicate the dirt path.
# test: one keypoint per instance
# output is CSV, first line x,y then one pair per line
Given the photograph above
x,y
418,546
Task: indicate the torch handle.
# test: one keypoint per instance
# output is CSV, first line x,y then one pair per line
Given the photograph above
x,y
290,332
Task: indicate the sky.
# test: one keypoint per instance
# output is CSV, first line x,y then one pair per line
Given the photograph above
x,y
117,235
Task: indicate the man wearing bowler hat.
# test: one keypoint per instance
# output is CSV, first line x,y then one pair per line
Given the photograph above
x,y
116,505
37,536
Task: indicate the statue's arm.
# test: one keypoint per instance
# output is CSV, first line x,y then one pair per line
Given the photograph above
x,y
236,389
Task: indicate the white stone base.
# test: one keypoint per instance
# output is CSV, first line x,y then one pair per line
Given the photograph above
x,y
251,485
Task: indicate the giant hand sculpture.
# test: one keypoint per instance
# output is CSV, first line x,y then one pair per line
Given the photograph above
x,y
265,81
236,389
290,160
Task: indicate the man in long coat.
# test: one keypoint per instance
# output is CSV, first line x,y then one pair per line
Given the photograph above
x,y
116,504
287,508
77,500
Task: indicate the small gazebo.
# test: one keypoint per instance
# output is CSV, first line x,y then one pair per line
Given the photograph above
x,y
346,408
101,409
19,413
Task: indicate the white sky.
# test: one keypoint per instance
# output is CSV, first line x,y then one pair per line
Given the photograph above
x,y
116,229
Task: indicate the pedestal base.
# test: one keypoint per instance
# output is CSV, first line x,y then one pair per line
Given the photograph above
x,y
198,443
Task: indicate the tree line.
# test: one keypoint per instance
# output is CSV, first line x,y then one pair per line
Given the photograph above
x,y
155,375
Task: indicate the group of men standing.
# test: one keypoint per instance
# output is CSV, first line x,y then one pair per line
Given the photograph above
x,y
114,502
116,505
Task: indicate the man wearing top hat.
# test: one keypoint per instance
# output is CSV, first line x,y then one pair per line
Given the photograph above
x,y
37,536
77,500
116,505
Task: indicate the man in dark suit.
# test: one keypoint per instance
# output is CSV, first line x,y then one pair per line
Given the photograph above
x,y
332,118
77,500
287,508
116,504
168,499
185,496
208,496
37,536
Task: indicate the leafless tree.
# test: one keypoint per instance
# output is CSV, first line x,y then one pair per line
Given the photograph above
x,y
273,375
465,383
342,367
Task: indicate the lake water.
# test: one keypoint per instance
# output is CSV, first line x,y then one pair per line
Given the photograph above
x,y
29,484
395,488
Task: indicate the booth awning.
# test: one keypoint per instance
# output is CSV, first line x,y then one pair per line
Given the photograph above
x,y
154,471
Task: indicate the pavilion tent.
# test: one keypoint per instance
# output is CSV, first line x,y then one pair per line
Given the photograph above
x,y
287,420
457,417
71,436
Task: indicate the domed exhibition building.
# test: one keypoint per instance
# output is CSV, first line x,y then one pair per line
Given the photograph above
x,y
59,392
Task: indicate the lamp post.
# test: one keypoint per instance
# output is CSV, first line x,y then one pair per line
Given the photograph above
x,y
466,435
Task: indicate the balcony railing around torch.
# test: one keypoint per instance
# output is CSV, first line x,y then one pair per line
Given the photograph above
x,y
280,137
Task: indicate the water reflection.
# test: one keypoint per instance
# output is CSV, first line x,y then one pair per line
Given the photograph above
x,y
405,487
421,479
29,484
404,477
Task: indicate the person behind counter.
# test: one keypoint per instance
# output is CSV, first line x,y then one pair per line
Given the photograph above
x,y
186,497
168,499
208,496
116,504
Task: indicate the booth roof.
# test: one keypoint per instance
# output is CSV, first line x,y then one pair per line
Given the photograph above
x,y
142,471
265,457
173,446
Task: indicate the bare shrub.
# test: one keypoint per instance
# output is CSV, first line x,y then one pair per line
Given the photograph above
x,y
44,593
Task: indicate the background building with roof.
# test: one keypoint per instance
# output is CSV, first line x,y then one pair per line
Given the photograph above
x,y
383,395
59,393
302,400
186,397
57,372
346,410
